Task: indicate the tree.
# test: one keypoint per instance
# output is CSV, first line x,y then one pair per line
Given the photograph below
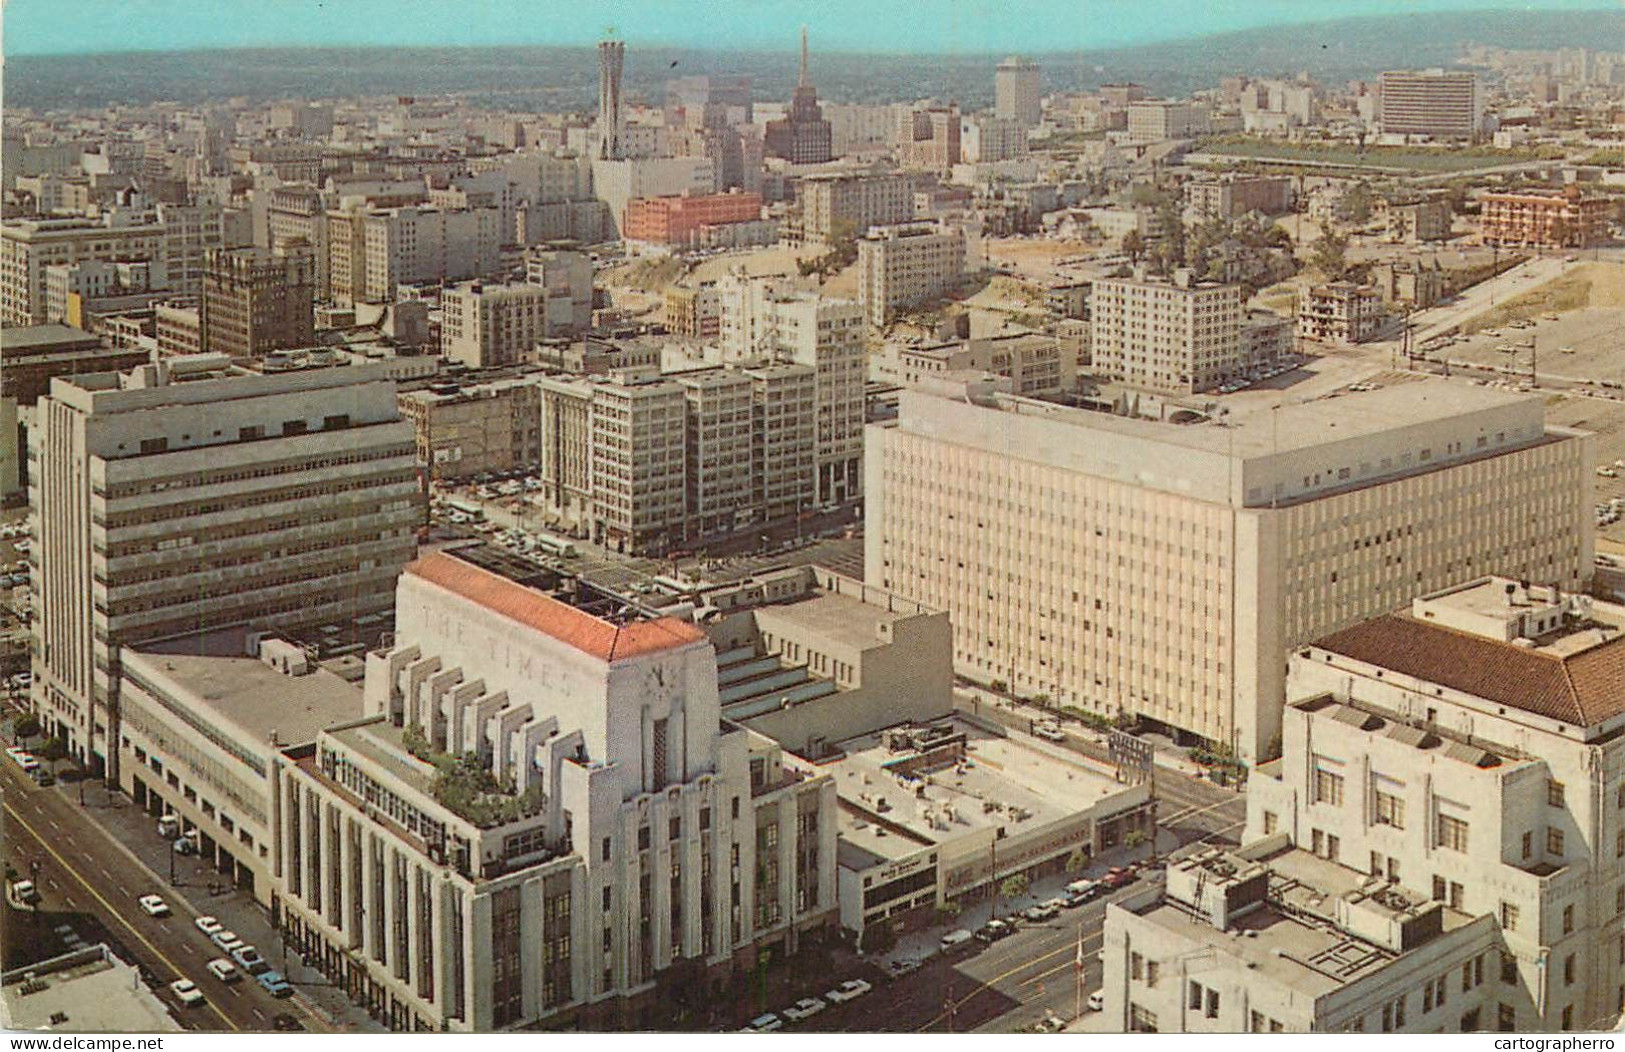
x,y
1015,886
877,938
1331,253
1355,207
53,752
1133,245
1134,838
1077,862
949,910
27,726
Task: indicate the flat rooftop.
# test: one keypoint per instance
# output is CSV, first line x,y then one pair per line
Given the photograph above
x,y
249,694
383,743
88,991
1297,945
1001,783
1265,431
33,339
842,618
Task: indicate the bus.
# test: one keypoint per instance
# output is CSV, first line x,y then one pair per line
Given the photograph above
x,y
552,545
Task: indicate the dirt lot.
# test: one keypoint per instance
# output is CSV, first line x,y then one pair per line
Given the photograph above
x,y
1589,285
1035,257
1606,420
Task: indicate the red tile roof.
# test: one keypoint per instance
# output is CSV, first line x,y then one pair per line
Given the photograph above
x,y
1583,689
589,634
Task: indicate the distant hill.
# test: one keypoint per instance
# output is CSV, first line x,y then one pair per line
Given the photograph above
x,y
554,78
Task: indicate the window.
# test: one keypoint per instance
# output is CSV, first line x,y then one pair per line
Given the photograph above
x,y
1528,844
1388,810
1439,886
1554,842
1568,970
1568,1017
1554,793
1469,1021
1509,917
1506,1019
1509,968
1328,787
1452,833
1141,1021
1270,822
1212,1011
1568,920
1194,1000
1136,966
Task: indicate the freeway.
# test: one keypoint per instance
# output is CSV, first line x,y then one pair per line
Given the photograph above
x,y
81,871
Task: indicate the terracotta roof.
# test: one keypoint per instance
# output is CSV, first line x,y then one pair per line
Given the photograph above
x,y
1584,688
589,634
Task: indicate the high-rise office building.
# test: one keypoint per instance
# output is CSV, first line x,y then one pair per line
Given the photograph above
x,y
28,246
165,506
803,136
1018,91
1164,570
1179,336
256,300
906,266
1431,102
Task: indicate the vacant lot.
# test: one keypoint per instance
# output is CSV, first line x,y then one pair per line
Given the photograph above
x,y
1589,285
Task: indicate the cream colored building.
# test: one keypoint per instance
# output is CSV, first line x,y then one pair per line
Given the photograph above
x,y
763,318
717,450
371,252
1018,91
1155,120
1165,570
165,508
1036,363
29,246
1271,939
488,325
634,847
1340,312
466,431
836,206
1179,336
1467,749
907,266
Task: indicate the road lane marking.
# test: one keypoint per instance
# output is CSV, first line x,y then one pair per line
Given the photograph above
x,y
988,984
115,914
1180,816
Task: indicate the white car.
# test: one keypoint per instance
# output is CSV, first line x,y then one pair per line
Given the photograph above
x,y
226,940
224,970
208,925
1096,1002
186,992
848,991
1050,732
805,1008
764,1024
153,906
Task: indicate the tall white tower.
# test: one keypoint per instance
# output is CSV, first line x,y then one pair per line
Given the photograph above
x,y
611,118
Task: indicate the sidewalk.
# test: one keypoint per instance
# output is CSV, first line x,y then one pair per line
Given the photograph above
x,y
122,821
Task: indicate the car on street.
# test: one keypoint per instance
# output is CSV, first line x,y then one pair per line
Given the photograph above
x,y
1117,876
186,992
275,984
957,939
1096,1001
848,991
899,968
805,1008
24,891
993,931
1049,732
226,939
1042,912
208,925
153,906
249,960
764,1024
284,1021
224,970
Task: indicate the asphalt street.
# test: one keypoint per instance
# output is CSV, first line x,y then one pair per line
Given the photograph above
x,y
84,873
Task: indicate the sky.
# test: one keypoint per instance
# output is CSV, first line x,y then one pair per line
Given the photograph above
x,y
46,27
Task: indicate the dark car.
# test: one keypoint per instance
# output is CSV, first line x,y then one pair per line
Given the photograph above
x,y
284,1021
993,931
1117,877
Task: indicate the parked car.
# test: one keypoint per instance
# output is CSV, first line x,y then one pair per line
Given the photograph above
x,y
249,960
284,1021
847,991
1042,912
899,968
25,892
224,970
1049,731
764,1024
993,931
226,939
153,906
1096,1001
186,992
1117,876
208,925
805,1008
956,939
275,984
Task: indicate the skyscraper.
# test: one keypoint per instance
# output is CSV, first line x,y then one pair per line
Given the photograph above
x,y
1430,102
611,116
271,501
804,136
1018,91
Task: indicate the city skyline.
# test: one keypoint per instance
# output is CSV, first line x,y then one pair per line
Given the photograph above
x,y
73,27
